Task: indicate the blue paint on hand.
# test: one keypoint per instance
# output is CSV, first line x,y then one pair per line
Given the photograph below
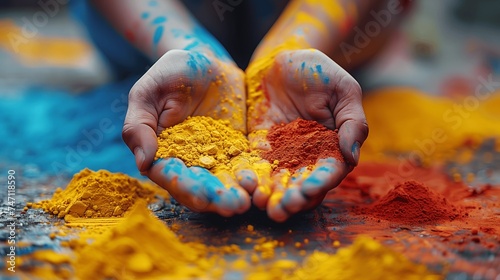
x,y
287,197
198,63
145,15
156,38
157,35
158,20
202,38
323,76
191,46
313,181
318,68
176,32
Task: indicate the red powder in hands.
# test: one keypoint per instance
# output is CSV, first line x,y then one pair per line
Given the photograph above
x,y
301,143
413,203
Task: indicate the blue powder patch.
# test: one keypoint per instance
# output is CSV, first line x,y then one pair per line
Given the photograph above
x,y
158,34
59,133
318,68
202,37
158,20
191,46
198,62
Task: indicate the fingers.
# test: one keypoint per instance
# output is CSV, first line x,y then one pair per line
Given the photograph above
x,y
326,175
139,130
305,190
350,118
198,189
263,191
244,174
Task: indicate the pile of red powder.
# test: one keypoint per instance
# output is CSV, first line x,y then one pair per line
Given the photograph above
x,y
301,143
413,203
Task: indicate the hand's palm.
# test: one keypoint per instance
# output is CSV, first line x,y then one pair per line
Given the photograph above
x,y
183,84
307,84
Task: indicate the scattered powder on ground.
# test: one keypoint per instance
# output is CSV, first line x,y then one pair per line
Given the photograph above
x,y
301,143
364,259
141,246
413,203
97,194
202,141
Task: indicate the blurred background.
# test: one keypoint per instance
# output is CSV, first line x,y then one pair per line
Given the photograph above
x,y
62,108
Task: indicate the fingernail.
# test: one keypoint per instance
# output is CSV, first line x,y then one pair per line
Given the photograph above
x,y
355,152
139,157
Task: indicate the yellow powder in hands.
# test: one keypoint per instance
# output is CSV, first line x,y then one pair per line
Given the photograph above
x,y
141,246
93,194
364,259
202,141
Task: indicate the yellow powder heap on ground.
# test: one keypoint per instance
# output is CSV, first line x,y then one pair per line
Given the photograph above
x,y
364,259
94,194
141,246
202,141
427,127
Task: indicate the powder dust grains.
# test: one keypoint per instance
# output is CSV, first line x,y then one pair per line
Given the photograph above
x,y
301,143
93,194
141,246
364,259
202,141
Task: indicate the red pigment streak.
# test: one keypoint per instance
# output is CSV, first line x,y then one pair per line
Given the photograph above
x,y
346,25
129,35
301,143
412,203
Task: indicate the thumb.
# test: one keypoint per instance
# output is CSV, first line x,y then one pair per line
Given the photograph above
x,y
350,119
139,130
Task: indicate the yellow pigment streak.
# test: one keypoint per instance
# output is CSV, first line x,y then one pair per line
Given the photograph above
x,y
332,8
427,126
42,50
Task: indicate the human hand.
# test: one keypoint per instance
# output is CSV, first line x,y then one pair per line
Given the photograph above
x,y
309,85
181,84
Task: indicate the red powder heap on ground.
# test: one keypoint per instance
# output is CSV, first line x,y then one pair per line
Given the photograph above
x,y
301,143
413,203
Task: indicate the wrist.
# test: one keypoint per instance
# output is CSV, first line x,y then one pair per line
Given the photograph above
x,y
192,38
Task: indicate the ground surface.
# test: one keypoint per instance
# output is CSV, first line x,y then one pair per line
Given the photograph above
x,y
33,145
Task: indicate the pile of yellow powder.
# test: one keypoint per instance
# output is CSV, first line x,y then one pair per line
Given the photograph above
x,y
364,259
93,194
202,141
141,246
425,127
